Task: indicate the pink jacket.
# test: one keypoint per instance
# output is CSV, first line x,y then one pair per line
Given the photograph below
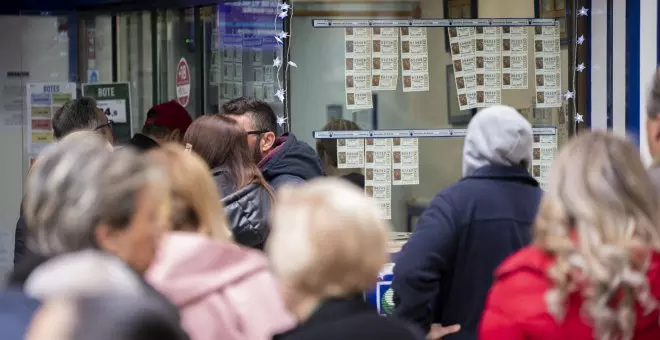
x,y
223,291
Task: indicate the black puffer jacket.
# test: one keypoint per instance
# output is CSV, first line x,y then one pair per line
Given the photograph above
x,y
247,209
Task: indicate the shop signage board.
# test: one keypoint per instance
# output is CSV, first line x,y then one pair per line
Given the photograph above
x,y
113,98
183,82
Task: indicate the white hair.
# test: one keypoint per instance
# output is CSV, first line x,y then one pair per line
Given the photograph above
x,y
328,238
79,183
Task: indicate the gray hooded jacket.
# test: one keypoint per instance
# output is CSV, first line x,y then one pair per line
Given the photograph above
x,y
497,135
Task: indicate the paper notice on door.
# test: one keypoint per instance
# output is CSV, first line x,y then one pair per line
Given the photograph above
x,y
43,100
358,68
543,154
350,153
414,59
385,58
378,173
462,43
405,161
547,66
488,44
514,58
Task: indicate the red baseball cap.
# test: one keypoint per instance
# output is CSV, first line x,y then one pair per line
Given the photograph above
x,y
170,115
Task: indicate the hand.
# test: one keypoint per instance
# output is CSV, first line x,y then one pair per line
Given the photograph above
x,y
437,331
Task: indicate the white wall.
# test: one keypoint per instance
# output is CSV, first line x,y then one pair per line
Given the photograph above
x,y
319,81
648,36
32,44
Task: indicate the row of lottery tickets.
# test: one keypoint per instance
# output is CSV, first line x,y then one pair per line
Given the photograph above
x,y
229,73
488,60
372,62
386,162
543,154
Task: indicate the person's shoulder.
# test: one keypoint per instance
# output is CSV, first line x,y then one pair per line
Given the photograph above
x,y
364,326
521,282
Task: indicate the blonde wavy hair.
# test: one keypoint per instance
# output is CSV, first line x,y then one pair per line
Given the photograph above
x,y
599,220
196,205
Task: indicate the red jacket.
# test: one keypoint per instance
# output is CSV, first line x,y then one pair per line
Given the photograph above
x,y
516,307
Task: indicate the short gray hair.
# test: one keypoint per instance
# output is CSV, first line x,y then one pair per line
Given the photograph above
x,y
78,184
76,114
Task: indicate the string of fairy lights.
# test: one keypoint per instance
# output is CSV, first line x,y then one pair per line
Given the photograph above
x,y
284,10
577,67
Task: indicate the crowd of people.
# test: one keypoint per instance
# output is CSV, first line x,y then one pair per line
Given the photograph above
x,y
221,228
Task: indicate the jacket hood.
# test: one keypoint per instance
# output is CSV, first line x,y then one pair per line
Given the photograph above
x,y
80,273
189,266
497,135
291,157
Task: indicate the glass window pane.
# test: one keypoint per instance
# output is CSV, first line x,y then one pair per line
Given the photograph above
x,y
135,67
319,85
240,53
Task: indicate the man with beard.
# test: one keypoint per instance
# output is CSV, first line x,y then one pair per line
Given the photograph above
x,y
282,159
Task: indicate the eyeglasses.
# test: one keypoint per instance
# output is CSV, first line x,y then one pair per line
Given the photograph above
x,y
109,124
257,132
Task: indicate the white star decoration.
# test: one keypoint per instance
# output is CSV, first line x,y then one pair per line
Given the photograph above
x,y
580,67
292,64
583,12
568,95
283,35
580,40
280,95
579,118
284,6
283,14
281,121
277,62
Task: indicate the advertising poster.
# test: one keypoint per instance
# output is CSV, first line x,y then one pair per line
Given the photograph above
x,y
44,99
378,173
488,65
514,58
114,99
385,57
547,66
414,59
350,153
358,68
543,154
463,55
405,161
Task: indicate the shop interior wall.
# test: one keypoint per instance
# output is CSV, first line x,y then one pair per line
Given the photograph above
x,y
34,45
319,81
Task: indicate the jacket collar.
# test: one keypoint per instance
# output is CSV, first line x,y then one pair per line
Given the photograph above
x,y
338,308
504,173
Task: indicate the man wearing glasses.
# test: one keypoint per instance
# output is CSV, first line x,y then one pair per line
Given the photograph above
x,y
81,114
282,159
74,115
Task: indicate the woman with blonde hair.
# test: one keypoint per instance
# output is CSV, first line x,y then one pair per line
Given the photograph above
x,y
222,290
593,271
327,247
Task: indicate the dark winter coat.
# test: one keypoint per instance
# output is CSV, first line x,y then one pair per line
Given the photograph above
x,y
246,208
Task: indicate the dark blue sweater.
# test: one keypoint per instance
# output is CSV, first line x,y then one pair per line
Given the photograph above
x,y
445,270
